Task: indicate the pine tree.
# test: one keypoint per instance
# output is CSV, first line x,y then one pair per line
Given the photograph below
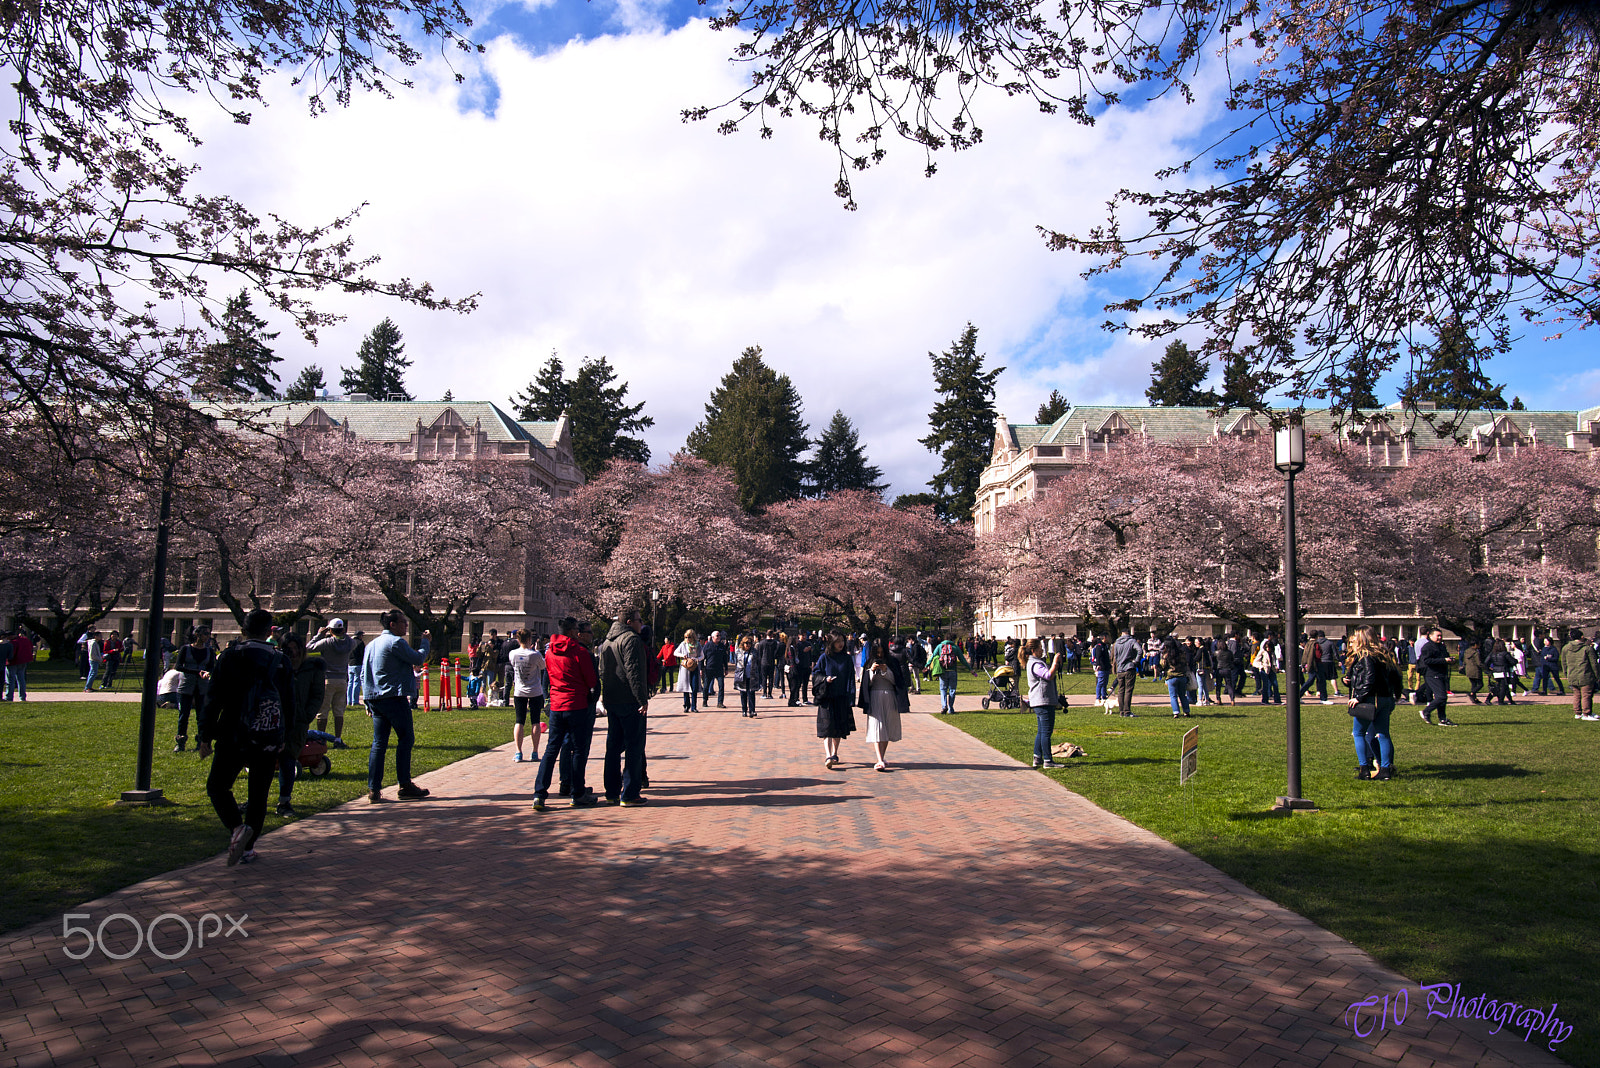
x,y
380,372
241,363
840,463
1175,380
547,395
307,387
602,422
449,395
1450,375
915,500
1052,409
1353,386
963,424
1517,405
1241,386
753,425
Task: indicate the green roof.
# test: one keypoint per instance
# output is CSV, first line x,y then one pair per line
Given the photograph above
x,y
395,421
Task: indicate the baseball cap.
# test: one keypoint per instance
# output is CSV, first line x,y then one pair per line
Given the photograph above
x,y
336,623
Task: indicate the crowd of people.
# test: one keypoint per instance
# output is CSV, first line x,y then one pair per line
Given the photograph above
x,y
256,702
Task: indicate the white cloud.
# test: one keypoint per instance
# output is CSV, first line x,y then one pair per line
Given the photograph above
x,y
595,222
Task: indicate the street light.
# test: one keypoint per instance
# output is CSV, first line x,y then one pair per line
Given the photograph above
x,y
896,615
1289,457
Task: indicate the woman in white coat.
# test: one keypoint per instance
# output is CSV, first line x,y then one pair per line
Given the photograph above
x,y
883,693
688,654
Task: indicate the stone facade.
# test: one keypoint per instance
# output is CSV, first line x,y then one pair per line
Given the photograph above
x,y
1028,456
537,454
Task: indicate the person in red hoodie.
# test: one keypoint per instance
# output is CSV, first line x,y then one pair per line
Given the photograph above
x,y
574,688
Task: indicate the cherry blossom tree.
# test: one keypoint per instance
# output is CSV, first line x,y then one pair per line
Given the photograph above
x,y
439,537
848,554
678,530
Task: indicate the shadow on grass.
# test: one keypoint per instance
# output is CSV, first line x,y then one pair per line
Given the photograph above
x,y
1467,771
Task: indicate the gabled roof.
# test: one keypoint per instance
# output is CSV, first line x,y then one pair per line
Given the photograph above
x,y
1197,425
544,433
392,421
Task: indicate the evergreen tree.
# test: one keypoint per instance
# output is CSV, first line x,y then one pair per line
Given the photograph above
x,y
1052,409
1517,405
754,427
963,424
307,386
546,396
1450,375
602,422
1353,386
1175,380
241,363
840,463
1242,387
915,500
381,368
449,395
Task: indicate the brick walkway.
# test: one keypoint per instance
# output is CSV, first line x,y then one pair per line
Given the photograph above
x,y
762,911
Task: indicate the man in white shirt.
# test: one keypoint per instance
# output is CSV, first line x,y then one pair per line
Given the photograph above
x,y
527,690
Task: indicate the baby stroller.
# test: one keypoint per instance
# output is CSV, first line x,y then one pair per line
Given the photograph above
x,y
1002,689
314,754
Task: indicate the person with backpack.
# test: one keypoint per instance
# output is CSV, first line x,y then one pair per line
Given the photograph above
x,y
246,725
944,664
387,678
194,662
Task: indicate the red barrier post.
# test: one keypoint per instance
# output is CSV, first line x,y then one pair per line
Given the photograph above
x,y
425,674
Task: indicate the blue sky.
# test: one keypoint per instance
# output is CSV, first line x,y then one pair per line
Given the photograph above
x,y
561,183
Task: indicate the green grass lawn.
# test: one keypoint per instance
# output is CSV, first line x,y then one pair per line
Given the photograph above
x,y
1479,864
63,763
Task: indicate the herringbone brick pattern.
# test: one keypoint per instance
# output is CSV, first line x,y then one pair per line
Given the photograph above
x,y
761,911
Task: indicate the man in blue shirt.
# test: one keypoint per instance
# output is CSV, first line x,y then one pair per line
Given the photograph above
x,y
386,680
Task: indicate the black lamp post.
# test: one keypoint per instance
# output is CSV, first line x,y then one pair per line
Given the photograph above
x,y
1289,457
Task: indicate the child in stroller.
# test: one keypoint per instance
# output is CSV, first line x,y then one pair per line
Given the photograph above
x,y
1003,689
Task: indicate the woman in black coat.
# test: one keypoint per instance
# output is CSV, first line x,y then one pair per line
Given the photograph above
x,y
833,688
1502,667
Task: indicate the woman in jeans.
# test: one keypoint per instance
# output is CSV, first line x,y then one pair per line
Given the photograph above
x,y
1372,677
1043,698
746,675
1174,667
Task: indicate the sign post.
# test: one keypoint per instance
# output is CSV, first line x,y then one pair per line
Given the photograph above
x,y
1189,758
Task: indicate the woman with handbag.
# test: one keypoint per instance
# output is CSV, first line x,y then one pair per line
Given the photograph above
x,y
1501,664
833,688
688,655
1373,681
882,691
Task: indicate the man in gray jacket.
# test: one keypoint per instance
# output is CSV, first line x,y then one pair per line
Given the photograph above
x,y
1125,655
335,649
625,691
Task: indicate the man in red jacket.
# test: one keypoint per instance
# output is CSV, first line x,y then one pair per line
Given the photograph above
x,y
574,688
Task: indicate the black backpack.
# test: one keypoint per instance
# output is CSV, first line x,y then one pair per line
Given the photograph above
x,y
259,716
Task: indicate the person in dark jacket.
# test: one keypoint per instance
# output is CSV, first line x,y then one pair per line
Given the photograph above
x,y
250,737
1502,665
833,688
1472,668
1433,660
310,686
625,690
1547,672
1372,677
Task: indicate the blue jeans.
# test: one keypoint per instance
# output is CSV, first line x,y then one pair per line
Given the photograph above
x,y
1372,738
691,696
947,691
714,679
570,731
747,701
1047,728
390,713
17,681
624,763
1544,677
94,669
1271,692
1102,680
352,688
1178,692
